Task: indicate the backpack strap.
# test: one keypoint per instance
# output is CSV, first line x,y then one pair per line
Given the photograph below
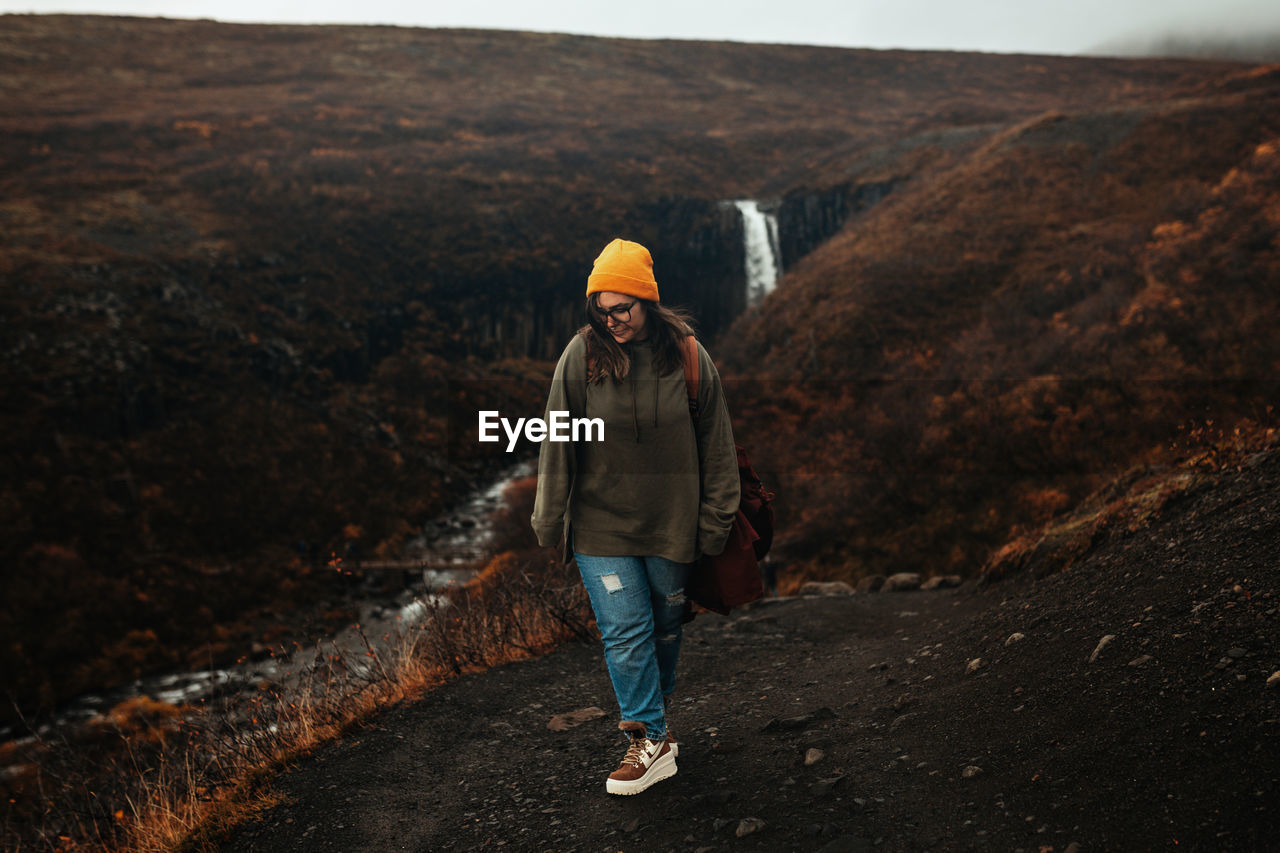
x,y
689,349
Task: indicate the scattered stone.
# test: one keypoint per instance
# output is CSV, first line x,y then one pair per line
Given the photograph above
x,y
1102,644
630,825
1073,847
813,756
971,771
748,825
1237,653
826,588
720,823
1140,660
871,583
1016,637
974,665
788,724
897,721
564,722
942,582
824,786
1274,680
901,582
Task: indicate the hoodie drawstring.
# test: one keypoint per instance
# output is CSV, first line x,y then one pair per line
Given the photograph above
x,y
635,419
655,402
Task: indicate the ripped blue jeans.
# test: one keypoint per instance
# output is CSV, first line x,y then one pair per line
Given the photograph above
x,y
639,608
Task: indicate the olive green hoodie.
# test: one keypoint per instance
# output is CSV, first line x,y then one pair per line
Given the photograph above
x,y
655,486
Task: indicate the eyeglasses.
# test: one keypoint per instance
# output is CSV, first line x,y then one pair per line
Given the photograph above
x,y
619,313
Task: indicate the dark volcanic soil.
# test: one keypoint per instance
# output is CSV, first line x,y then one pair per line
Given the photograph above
x,y
1169,740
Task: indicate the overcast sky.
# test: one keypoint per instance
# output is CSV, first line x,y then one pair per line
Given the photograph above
x,y
1033,26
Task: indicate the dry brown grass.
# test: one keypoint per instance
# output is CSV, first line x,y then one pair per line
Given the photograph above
x,y
150,776
1133,500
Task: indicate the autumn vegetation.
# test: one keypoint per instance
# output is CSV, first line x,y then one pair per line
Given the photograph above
x,y
259,276
1067,299
150,775
258,279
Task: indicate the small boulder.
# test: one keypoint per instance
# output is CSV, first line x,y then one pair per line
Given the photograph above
x,y
566,721
902,582
1016,637
971,771
824,786
974,665
1102,644
812,756
942,582
748,825
1274,680
826,588
871,583
802,721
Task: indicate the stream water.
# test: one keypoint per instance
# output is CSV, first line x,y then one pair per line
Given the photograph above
x,y
442,555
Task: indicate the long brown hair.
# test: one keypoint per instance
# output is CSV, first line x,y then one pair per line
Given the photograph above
x,y
667,327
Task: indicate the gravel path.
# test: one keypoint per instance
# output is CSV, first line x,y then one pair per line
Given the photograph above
x,y
863,723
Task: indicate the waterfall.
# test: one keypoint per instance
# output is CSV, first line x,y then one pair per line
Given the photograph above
x,y
760,243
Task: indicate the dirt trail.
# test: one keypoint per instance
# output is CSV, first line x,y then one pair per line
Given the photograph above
x,y
1170,739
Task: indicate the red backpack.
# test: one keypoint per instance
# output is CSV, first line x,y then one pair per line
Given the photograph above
x,y
731,577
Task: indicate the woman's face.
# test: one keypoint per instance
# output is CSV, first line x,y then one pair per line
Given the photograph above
x,y
623,315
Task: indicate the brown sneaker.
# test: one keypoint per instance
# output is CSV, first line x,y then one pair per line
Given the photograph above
x,y
646,762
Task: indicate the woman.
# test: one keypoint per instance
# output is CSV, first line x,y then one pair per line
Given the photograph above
x,y
640,506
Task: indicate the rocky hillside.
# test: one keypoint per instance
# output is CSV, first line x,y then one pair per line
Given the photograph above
x,y
250,273
1028,316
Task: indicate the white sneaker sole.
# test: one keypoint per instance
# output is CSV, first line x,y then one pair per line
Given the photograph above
x,y
663,768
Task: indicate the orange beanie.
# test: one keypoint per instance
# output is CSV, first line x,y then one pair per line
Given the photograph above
x,y
624,267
